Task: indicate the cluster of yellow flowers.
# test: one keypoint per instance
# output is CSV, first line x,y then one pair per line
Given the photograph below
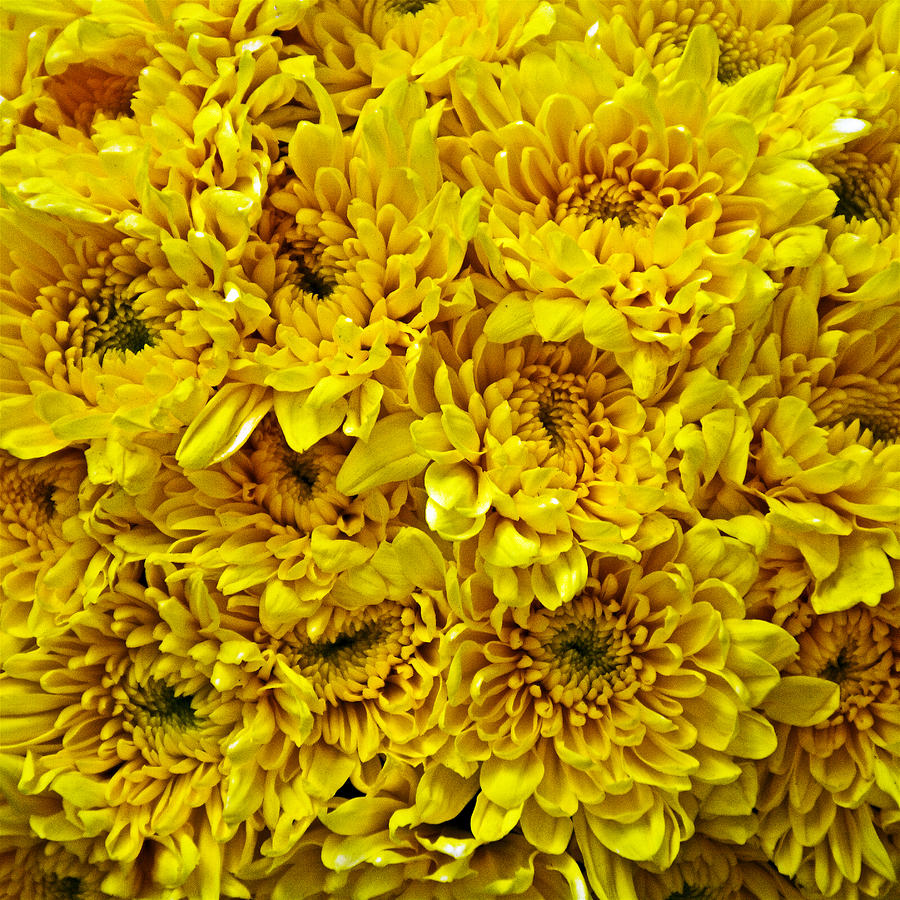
x,y
450,449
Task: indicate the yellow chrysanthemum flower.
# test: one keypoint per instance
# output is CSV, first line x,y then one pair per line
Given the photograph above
x,y
537,454
616,707
704,869
73,65
365,256
637,214
864,173
213,104
815,42
361,45
57,542
408,837
363,676
824,388
271,517
102,340
375,660
829,779
149,741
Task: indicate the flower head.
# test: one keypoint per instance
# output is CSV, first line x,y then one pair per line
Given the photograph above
x,y
297,531
823,457
143,743
614,707
408,836
57,541
365,243
666,190
101,340
361,45
538,453
830,776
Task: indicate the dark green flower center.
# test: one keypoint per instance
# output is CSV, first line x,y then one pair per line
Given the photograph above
x,y
26,499
65,888
155,703
690,892
303,471
407,6
347,649
861,187
115,325
550,418
734,63
841,667
585,650
312,281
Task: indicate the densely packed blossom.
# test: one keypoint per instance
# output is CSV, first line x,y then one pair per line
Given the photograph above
x,y
450,449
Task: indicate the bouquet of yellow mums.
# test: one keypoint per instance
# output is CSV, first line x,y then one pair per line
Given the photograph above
x,y
449,449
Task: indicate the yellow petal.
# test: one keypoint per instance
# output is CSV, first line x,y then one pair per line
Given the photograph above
x,y
224,425
802,700
388,455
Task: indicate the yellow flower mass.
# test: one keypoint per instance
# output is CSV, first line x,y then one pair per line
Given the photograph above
x,y
450,449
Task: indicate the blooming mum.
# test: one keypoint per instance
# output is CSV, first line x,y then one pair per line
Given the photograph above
x,y
614,707
823,459
272,517
362,45
101,339
56,558
408,836
833,774
123,719
704,869
816,43
638,215
76,66
864,172
537,454
367,252
216,99
376,660
361,677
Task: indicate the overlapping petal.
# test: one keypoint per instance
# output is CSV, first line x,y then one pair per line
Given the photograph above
x,y
617,704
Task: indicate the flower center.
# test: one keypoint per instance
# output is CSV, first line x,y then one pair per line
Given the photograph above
x,y
582,656
874,405
26,499
861,188
66,888
586,650
302,471
407,6
352,651
553,408
856,651
84,90
114,324
691,892
296,488
311,279
604,200
737,56
841,667
155,704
